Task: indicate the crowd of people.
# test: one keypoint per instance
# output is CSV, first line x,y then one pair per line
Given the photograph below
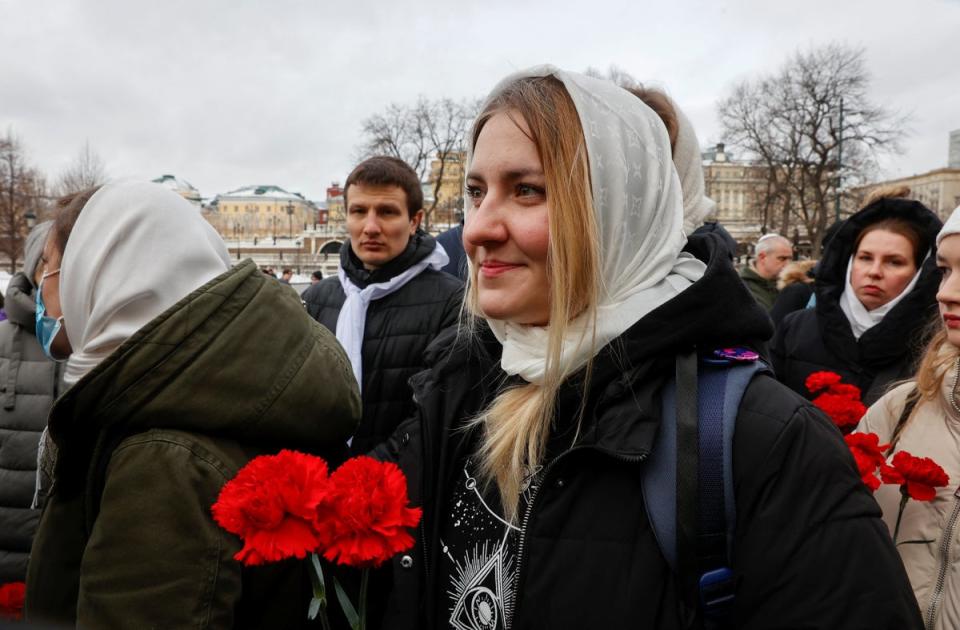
x,y
528,371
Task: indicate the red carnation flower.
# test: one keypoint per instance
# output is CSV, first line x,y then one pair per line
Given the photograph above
x,y
12,596
868,454
821,380
843,410
272,504
845,389
370,519
889,474
921,476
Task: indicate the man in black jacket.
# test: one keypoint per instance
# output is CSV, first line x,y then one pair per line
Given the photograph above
x,y
390,298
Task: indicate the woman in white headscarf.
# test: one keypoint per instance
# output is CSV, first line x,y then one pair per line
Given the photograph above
x,y
178,375
875,292
537,419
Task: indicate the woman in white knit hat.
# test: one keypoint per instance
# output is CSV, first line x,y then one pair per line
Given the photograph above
x,y
922,417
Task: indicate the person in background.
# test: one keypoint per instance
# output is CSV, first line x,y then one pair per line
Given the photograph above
x,y
794,288
389,299
773,252
922,417
875,290
452,243
286,275
536,418
316,277
31,384
173,387
798,295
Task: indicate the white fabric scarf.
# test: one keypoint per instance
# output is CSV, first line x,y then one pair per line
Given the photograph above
x,y
689,164
353,315
639,206
861,320
952,226
136,249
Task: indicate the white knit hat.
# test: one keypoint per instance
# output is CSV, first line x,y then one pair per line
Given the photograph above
x,y
951,226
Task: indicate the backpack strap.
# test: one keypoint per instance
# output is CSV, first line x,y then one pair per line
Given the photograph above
x,y
692,459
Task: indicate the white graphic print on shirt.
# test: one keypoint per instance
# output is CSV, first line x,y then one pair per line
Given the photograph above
x,y
479,549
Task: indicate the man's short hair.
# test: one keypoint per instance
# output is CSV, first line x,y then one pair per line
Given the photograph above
x,y
383,170
317,274
768,241
287,271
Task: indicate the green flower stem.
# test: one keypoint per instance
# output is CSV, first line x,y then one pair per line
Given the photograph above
x,y
364,581
903,503
318,607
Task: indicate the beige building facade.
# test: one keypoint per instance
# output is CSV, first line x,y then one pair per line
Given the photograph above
x,y
261,212
737,187
450,192
938,189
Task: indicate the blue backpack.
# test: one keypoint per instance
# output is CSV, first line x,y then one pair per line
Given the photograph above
x,y
688,481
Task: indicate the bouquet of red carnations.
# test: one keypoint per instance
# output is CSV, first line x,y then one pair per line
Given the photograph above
x,y
288,505
840,401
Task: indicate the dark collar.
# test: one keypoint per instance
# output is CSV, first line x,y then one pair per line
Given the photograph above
x,y
418,247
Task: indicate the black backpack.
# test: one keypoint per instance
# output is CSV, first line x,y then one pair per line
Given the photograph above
x,y
688,481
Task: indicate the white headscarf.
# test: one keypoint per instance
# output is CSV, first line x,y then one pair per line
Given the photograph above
x,y
689,163
952,226
135,251
861,320
639,206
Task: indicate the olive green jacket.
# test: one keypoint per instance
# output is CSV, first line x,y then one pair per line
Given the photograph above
x,y
764,291
147,439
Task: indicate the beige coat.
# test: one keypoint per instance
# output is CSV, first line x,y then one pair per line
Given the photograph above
x,y
929,537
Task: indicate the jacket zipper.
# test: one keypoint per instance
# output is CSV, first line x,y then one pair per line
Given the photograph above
x,y
529,511
944,562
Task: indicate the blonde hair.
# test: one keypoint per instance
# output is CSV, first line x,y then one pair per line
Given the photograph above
x,y
516,425
938,357
794,273
888,191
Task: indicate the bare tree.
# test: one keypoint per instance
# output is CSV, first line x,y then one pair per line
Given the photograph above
x,y
85,171
429,135
22,193
790,122
615,74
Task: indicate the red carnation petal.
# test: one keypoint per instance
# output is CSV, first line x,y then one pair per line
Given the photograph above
x,y
920,491
272,504
369,520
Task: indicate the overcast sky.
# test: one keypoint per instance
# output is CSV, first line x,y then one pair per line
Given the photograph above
x,y
225,94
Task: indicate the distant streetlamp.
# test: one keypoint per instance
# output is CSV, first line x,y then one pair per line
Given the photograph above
x,y
31,219
290,209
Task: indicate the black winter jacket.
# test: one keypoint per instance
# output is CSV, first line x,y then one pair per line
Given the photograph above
x,y
807,531
820,338
29,383
398,329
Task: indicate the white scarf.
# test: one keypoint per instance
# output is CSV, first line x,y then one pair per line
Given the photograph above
x,y
353,314
135,251
861,320
689,163
639,207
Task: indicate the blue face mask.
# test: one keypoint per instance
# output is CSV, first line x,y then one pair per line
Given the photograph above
x,y
47,327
